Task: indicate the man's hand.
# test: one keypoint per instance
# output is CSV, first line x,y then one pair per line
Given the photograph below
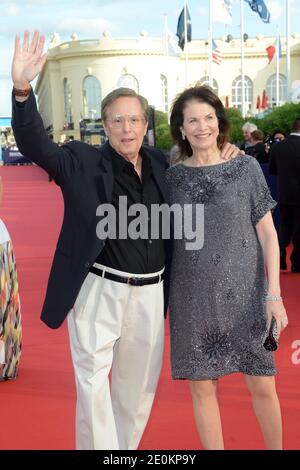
x,y
28,60
230,151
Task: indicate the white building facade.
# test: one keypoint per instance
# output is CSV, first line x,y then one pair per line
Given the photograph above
x,y
80,73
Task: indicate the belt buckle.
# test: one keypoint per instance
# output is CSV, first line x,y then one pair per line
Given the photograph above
x,y
134,281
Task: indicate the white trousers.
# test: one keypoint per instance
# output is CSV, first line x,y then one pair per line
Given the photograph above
x,y
120,328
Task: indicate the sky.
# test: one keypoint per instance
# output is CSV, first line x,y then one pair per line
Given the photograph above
x,y
123,18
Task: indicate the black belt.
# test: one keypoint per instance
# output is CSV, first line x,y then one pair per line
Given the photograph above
x,y
132,281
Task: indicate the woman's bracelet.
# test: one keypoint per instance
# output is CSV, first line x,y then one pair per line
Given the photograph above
x,y
277,298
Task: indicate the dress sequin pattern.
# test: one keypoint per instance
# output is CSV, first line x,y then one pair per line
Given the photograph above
x,y
217,310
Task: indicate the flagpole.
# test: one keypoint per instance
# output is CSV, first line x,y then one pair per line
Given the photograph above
x,y
288,49
277,66
242,57
185,45
210,37
166,38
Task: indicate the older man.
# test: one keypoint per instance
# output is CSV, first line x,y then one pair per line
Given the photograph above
x,y
110,288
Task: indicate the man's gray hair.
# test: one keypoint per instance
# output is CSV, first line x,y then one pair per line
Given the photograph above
x,y
120,93
249,126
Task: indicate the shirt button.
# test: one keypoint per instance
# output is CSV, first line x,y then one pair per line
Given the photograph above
x,y
150,242
87,264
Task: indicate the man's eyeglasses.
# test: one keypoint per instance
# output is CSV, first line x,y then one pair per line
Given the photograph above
x,y
134,120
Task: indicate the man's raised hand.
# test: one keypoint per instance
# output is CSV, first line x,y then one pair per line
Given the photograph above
x,y
28,59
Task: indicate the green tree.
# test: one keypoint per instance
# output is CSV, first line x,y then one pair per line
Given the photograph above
x,y
236,123
162,131
282,117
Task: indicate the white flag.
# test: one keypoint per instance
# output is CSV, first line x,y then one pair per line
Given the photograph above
x,y
221,11
169,43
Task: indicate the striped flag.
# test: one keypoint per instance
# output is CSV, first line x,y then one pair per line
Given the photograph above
x,y
216,54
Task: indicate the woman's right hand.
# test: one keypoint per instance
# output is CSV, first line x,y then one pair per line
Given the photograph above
x,y
276,309
28,59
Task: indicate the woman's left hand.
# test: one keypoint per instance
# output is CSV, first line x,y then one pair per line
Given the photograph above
x,y
230,151
276,309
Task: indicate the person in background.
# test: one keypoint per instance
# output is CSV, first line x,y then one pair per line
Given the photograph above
x,y
285,163
247,128
277,136
257,148
10,311
173,155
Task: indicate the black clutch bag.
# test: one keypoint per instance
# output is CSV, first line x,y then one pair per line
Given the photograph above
x,y
271,341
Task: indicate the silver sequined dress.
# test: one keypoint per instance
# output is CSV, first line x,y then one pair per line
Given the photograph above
x,y
217,311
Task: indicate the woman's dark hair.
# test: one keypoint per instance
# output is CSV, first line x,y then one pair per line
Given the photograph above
x,y
278,131
203,94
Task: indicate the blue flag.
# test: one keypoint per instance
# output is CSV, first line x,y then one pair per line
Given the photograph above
x,y
259,7
180,28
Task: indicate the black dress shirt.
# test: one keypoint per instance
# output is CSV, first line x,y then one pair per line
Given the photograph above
x,y
140,256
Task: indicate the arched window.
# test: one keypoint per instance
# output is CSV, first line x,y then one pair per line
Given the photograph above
x,y
67,101
271,89
205,81
237,93
164,93
91,97
128,81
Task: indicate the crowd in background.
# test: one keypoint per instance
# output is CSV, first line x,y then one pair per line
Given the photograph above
x,y
255,143
7,140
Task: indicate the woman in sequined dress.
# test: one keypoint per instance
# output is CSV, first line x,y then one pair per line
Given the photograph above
x,y
10,315
221,300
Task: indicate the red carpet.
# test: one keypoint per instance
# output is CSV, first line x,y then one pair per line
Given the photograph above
x,y
38,409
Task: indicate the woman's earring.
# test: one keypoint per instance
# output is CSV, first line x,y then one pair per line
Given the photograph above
x,y
183,135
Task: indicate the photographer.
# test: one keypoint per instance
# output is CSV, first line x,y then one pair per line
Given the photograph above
x,y
277,136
